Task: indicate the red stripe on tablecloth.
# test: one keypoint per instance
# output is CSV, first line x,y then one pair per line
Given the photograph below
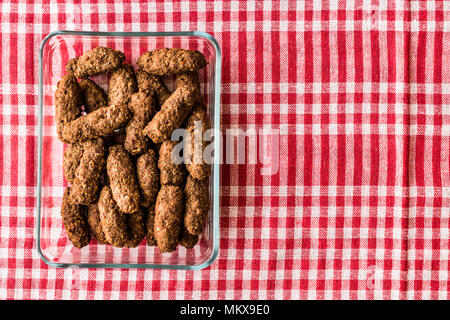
x,y
420,139
357,117
324,169
391,99
406,115
375,99
308,151
256,223
405,155
292,169
2,144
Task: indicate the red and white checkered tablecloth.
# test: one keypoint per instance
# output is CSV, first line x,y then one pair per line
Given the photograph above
x,y
360,93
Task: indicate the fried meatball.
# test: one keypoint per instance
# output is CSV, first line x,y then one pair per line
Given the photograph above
x,y
71,160
187,240
74,220
93,218
149,225
190,81
171,116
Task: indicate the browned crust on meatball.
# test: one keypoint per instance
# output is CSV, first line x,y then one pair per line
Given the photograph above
x,y
171,116
122,85
93,218
157,146
151,241
74,220
143,106
85,186
148,82
71,160
196,126
68,101
122,179
94,62
148,177
169,61
196,195
94,96
136,228
187,240
113,221
101,122
170,173
168,217
190,81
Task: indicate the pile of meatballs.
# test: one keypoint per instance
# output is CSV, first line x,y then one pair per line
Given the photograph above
x,y
124,185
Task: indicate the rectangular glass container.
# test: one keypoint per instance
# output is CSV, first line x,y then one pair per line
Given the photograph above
x,y
52,244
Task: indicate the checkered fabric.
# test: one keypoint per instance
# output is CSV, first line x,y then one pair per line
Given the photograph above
x,y
359,205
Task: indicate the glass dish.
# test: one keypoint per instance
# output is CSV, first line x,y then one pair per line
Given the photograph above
x,y
52,244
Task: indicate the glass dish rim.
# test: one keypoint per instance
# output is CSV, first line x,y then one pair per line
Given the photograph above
x,y
216,165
